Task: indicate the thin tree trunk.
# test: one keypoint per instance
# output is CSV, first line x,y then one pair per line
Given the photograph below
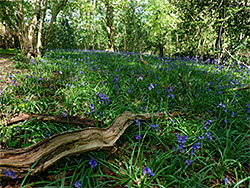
x,y
40,30
53,21
110,25
32,28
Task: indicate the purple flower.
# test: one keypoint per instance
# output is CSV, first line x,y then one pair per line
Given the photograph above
x,y
208,122
116,79
196,146
223,105
93,163
130,89
181,139
208,135
154,126
140,78
77,184
148,170
7,173
138,137
226,181
181,147
188,162
175,149
233,114
10,173
65,113
10,76
138,123
151,86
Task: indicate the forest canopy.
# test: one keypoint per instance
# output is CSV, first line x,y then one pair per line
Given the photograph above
x,y
207,29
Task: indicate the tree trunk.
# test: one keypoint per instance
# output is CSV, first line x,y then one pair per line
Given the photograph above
x,y
57,9
40,30
29,42
110,25
161,48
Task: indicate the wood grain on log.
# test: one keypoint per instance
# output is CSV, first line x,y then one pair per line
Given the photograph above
x,y
51,149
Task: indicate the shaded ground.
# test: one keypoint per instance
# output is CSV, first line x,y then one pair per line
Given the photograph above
x,y
6,67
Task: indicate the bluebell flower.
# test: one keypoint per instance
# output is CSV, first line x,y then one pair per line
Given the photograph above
x,y
138,123
130,90
138,137
208,122
175,149
10,76
77,184
154,126
188,162
10,173
208,135
151,86
65,113
181,139
93,163
7,173
147,170
226,181
116,79
233,114
181,147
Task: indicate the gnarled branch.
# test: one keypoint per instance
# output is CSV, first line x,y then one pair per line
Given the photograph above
x,y
48,151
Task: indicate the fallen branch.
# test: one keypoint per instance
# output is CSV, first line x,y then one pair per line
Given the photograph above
x,y
50,118
241,88
52,149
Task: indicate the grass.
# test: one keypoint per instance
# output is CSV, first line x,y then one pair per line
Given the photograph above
x,y
207,147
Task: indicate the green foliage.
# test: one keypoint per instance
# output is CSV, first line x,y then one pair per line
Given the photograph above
x,y
202,148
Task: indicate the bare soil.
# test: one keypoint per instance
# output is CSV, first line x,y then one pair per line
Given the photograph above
x,y
6,67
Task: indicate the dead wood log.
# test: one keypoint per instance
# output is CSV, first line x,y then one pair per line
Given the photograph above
x,y
51,118
241,88
48,151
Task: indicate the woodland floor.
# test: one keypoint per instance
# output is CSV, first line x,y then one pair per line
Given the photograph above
x,y
6,66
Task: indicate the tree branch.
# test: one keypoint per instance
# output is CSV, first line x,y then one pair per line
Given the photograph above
x,y
48,151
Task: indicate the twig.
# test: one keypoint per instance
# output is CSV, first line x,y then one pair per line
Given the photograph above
x,y
180,78
188,80
238,60
241,88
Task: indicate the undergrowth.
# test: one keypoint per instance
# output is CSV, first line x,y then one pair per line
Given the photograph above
x,y
209,146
